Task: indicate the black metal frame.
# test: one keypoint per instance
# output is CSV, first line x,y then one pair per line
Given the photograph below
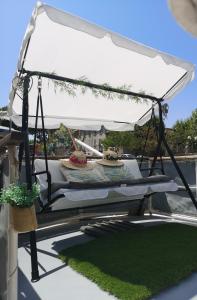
x,y
25,146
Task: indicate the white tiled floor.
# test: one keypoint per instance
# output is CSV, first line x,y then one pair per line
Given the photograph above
x,y
185,290
58,281
61,282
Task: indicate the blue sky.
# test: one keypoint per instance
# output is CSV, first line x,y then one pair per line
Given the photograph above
x,y
147,21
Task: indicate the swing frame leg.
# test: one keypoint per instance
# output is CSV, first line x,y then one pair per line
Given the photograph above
x,y
162,140
33,247
170,153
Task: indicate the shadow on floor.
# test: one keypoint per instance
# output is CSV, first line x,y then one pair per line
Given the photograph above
x,y
58,246
70,242
25,289
47,273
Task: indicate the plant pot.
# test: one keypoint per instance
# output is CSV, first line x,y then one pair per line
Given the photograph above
x,y
23,218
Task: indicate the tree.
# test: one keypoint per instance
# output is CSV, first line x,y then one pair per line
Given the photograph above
x,y
4,108
178,137
60,138
183,138
133,141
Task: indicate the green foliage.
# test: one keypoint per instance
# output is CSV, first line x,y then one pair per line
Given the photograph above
x,y
183,137
3,108
80,84
61,138
19,195
71,88
133,141
138,264
177,138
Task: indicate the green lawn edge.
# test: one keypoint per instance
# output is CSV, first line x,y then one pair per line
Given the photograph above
x,y
137,264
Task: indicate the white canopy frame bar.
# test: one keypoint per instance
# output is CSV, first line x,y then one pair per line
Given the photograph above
x,y
100,87
93,85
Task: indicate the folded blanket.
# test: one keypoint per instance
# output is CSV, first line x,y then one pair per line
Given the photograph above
x,y
93,185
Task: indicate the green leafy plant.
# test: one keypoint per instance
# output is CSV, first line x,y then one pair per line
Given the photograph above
x,y
71,88
19,195
79,84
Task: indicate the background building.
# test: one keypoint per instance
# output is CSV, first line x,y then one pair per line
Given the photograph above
x,y
93,138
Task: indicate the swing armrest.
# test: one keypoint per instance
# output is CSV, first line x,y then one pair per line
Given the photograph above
x,y
48,180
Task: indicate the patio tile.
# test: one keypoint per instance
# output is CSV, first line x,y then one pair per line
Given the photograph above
x,y
185,290
58,281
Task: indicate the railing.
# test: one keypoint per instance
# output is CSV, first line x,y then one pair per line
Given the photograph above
x,y
178,202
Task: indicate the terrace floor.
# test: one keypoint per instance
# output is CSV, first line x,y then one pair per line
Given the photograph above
x,y
59,281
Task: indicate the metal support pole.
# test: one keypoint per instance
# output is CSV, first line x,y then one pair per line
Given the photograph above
x,y
147,135
173,158
20,156
161,134
180,173
161,140
34,259
35,132
140,211
157,152
155,157
43,127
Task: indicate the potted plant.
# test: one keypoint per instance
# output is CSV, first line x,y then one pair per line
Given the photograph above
x,y
23,215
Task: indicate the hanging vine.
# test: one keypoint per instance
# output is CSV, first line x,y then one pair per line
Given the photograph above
x,y
72,88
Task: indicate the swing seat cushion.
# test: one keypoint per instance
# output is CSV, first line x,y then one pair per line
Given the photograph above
x,y
125,172
60,176
101,174
83,175
84,191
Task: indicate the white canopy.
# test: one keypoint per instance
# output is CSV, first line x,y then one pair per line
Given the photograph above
x,y
59,43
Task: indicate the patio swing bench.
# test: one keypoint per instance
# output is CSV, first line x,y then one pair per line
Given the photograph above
x,y
78,195
108,67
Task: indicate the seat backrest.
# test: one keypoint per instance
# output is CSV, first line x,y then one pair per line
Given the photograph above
x,y
54,167
133,167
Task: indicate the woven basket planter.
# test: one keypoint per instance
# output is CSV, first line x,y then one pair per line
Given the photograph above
x,y
23,218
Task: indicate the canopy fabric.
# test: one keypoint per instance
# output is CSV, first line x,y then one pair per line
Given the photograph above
x,y
59,43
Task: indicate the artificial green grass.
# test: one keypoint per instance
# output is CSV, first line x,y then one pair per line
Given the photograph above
x,y
137,264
